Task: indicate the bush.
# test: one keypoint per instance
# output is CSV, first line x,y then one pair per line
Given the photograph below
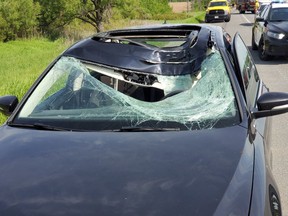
x,y
171,16
17,19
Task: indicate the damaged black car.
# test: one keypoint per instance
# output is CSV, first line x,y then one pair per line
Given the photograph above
x,y
156,120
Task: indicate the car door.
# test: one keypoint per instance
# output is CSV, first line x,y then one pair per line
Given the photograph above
x,y
258,130
246,72
259,24
252,88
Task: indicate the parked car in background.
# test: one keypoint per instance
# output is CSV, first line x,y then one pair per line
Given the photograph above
x,y
261,8
156,120
218,10
246,6
270,31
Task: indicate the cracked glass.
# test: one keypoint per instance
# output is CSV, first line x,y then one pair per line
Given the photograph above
x,y
81,95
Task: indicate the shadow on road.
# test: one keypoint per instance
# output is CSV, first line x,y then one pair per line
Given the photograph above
x,y
247,24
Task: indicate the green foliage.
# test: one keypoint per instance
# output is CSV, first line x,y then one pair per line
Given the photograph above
x,y
55,15
17,19
171,16
199,5
95,12
195,17
199,16
129,9
143,9
99,12
25,18
153,8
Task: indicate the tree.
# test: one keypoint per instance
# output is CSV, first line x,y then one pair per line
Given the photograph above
x,y
153,7
199,5
17,19
54,15
131,9
20,18
95,12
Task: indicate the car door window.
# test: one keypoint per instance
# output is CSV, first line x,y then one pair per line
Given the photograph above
x,y
265,13
248,74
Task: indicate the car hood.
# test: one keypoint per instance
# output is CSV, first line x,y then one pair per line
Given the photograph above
x,y
121,173
281,27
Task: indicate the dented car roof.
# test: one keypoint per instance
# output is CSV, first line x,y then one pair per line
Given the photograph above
x,y
139,49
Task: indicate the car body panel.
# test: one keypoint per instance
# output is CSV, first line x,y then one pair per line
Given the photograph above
x,y
144,59
120,173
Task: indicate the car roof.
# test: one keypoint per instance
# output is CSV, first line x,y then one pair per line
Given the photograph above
x,y
279,5
127,48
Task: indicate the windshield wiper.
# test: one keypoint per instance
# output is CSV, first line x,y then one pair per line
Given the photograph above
x,y
40,126
145,129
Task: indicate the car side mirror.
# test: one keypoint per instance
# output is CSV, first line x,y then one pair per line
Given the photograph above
x,y
270,104
8,104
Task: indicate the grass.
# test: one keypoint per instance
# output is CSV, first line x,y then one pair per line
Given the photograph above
x,y
195,17
22,61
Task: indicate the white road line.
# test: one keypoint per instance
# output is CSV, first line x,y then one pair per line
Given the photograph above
x,y
245,18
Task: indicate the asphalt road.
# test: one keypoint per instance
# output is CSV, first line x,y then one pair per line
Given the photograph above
x,y
275,75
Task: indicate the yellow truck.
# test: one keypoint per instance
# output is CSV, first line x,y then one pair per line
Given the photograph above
x,y
218,10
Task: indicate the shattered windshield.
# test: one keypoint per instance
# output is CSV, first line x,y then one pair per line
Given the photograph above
x,y
216,4
87,96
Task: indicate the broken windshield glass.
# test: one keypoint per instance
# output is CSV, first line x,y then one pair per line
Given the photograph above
x,y
74,90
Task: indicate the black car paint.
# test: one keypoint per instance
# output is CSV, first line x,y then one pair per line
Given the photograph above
x,y
272,46
277,47
145,59
88,173
122,173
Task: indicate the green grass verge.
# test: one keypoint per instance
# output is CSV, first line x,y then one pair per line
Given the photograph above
x,y
195,17
21,62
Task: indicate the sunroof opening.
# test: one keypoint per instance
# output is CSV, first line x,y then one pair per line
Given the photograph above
x,y
160,38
